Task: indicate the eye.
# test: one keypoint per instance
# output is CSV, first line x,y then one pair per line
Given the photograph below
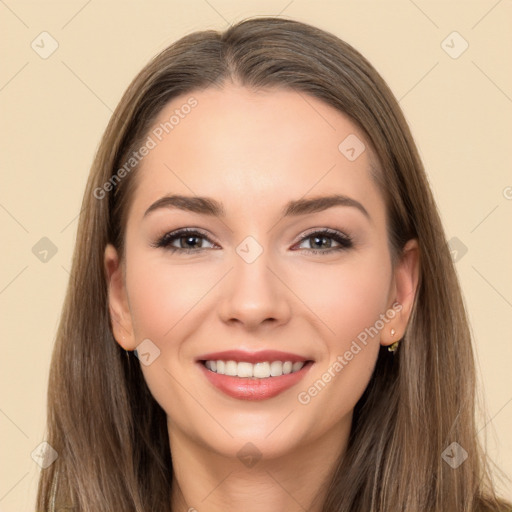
x,y
324,238
188,240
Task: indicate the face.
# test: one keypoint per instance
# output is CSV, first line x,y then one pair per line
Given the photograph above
x,y
312,280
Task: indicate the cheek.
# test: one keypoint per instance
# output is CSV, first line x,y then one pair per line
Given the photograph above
x,y
162,294
165,301
347,297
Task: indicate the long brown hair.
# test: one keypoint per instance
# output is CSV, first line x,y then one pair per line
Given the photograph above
x,y
109,432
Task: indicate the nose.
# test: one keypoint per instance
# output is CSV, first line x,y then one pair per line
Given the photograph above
x,y
253,294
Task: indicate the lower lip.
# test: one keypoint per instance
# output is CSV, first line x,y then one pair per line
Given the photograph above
x,y
254,389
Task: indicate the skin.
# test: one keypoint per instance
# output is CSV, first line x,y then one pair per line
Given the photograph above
x,y
255,151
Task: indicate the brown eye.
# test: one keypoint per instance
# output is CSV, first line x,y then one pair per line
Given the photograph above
x,y
187,241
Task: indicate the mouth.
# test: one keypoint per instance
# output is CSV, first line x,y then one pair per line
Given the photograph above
x,y
256,376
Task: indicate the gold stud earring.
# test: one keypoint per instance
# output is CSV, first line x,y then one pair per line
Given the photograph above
x,y
393,346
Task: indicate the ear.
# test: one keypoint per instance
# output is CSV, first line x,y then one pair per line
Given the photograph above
x,y
403,292
119,308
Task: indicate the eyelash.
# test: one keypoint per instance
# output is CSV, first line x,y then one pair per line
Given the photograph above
x,y
345,242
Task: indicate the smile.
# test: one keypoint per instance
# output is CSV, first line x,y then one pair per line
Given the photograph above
x,y
249,375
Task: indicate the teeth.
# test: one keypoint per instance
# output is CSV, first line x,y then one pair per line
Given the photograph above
x,y
296,367
211,365
276,368
258,370
244,370
261,370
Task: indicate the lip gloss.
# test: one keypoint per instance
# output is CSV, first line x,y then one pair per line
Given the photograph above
x,y
253,388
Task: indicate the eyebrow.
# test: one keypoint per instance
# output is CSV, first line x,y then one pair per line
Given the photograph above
x,y
209,206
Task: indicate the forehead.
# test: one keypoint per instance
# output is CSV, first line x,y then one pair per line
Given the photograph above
x,y
248,148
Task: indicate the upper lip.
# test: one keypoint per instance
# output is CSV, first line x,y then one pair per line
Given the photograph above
x,y
252,357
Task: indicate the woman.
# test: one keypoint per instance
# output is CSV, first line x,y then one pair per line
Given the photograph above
x,y
262,311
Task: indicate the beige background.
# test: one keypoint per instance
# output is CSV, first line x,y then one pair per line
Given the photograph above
x,y
54,111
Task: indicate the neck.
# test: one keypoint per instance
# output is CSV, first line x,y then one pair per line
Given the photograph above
x,y
296,481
